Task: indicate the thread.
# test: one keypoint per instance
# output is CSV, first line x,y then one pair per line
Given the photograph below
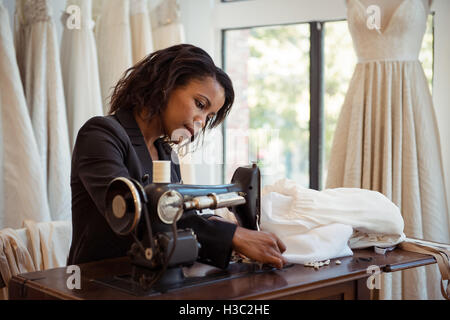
x,y
161,172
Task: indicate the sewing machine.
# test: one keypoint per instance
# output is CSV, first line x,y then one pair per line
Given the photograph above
x,y
160,250
161,254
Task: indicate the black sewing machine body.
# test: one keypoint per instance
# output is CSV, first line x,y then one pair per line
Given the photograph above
x,y
160,249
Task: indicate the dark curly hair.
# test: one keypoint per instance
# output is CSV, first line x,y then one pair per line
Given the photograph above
x,y
149,84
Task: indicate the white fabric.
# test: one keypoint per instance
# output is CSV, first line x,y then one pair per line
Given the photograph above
x,y
38,60
319,225
80,71
113,45
167,29
34,247
38,246
23,193
318,244
22,234
50,243
387,138
167,36
14,256
141,31
96,11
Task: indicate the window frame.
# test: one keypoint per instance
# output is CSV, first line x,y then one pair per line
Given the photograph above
x,y
316,107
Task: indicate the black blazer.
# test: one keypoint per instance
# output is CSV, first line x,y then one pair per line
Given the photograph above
x,y
113,146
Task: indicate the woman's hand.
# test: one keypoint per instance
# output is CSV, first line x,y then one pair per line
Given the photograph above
x,y
260,246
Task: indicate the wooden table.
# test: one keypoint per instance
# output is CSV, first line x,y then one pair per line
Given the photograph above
x,y
345,281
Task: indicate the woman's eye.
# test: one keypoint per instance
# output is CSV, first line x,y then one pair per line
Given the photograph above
x,y
199,104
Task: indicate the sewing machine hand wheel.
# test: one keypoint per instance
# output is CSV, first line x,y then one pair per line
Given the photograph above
x,y
124,201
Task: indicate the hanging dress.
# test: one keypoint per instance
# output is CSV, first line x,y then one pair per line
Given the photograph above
x,y
96,11
80,69
113,45
167,29
23,193
387,137
39,63
141,31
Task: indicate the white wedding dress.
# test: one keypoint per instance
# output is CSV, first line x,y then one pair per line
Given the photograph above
x,y
141,30
387,137
23,193
80,70
39,63
113,37
166,25
321,225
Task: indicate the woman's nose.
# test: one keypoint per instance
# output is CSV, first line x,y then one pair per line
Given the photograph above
x,y
199,121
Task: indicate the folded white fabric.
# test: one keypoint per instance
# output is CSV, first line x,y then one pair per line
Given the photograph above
x,y
319,225
50,242
318,244
14,258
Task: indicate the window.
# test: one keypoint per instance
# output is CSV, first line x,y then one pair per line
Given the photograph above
x,y
270,121
274,121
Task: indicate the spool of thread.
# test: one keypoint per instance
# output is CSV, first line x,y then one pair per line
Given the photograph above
x,y
161,172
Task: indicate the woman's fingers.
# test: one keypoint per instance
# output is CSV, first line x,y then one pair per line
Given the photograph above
x,y
264,247
276,260
280,260
281,245
275,253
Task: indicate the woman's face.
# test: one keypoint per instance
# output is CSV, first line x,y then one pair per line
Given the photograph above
x,y
190,106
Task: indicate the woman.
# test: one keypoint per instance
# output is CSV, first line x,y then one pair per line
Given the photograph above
x,y
169,90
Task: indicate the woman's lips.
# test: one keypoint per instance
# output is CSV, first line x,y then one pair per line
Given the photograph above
x,y
191,131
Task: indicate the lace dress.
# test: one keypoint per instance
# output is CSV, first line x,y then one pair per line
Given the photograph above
x,y
113,45
141,31
166,25
80,70
387,138
39,62
23,193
